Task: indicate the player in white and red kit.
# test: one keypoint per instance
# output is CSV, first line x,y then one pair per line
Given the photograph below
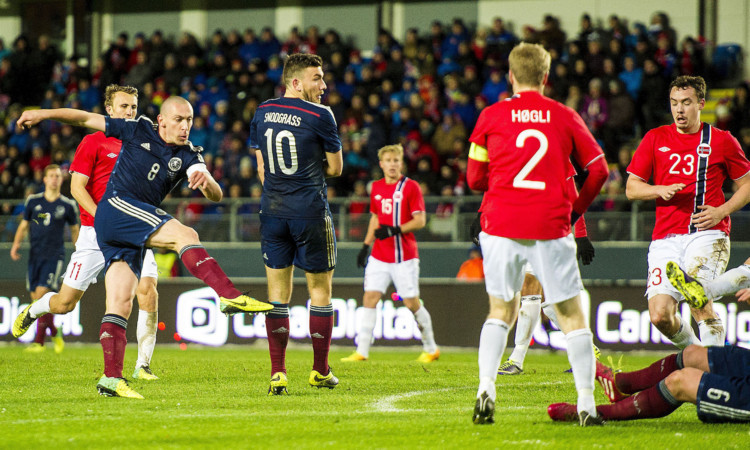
x,y
520,155
397,208
92,165
688,163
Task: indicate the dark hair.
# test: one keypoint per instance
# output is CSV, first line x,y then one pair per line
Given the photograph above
x,y
687,81
297,62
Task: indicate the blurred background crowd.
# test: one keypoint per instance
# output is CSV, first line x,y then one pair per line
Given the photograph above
x,y
425,92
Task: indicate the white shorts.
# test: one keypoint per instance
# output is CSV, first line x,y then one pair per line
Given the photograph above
x,y
554,262
703,255
87,261
404,275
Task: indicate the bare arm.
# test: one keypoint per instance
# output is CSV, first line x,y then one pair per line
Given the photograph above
x,y
417,222
70,116
637,189
709,215
23,227
335,164
261,166
206,183
74,229
78,184
371,227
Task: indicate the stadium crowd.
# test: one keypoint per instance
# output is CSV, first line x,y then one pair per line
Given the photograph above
x,y
425,92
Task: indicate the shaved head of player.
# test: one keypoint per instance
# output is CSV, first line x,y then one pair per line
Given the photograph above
x,y
303,77
175,120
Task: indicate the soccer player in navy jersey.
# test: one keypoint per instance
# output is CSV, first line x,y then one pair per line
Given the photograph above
x,y
297,147
44,218
92,164
154,159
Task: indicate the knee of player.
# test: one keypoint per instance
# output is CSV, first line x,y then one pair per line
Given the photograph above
x,y
675,382
66,303
148,296
661,319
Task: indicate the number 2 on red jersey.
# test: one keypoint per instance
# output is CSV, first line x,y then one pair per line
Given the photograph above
x,y
520,180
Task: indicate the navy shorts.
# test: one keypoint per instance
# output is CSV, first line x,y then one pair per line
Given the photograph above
x,y
309,244
45,272
123,226
724,393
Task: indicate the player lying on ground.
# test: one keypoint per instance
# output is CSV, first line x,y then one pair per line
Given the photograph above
x,y
716,379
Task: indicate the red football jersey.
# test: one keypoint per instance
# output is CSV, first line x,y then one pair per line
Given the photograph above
x,y
95,158
668,157
395,204
529,140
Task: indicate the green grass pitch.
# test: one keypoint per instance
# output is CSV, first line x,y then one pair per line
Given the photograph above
x,y
216,398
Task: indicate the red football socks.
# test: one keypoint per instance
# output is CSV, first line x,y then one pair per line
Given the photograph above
x,y
277,329
202,266
44,322
321,326
632,382
113,339
647,404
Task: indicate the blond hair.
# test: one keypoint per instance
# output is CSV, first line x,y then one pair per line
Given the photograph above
x,y
529,63
398,149
50,167
112,89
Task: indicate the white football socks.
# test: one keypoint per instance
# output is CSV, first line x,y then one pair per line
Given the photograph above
x,y
41,306
528,318
685,335
712,332
425,327
367,319
492,342
581,358
146,333
728,283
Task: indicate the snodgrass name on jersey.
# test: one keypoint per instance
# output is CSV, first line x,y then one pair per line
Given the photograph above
x,y
282,118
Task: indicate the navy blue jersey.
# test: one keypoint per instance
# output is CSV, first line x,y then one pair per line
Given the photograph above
x,y
293,136
148,168
47,224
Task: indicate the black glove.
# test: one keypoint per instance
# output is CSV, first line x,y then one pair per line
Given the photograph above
x,y
585,251
574,216
476,228
362,256
386,231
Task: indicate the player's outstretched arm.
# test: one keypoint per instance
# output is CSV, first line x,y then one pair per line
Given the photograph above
x,y
637,189
75,117
205,182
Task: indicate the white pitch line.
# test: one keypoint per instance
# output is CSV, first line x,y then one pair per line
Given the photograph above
x,y
387,404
